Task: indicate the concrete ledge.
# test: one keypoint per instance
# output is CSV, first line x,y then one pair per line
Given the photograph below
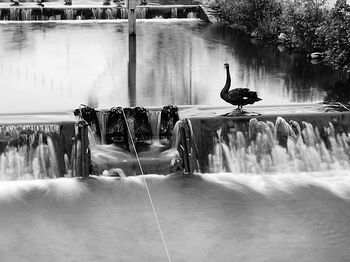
x,y
92,11
205,129
39,118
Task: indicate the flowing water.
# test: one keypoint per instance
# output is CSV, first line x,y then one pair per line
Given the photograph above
x,y
209,217
28,152
295,215
279,213
49,67
281,147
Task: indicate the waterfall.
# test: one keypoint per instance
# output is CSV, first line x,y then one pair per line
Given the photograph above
x,y
102,121
95,13
174,12
109,14
123,13
26,14
68,166
14,14
281,147
141,13
191,15
68,13
34,151
27,153
154,118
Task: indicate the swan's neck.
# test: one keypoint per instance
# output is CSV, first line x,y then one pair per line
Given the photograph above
x,y
228,83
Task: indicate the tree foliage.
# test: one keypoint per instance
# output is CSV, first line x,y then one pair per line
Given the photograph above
x,y
309,26
336,34
302,19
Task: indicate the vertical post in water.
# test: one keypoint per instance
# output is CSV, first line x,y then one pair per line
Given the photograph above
x,y
132,70
132,17
83,155
186,151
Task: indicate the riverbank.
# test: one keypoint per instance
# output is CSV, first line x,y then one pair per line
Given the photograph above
x,y
314,29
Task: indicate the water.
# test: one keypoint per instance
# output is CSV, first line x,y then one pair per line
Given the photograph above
x,y
220,217
29,152
50,67
279,148
241,216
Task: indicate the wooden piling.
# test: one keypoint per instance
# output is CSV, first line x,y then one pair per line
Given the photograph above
x,y
132,17
82,156
185,151
132,70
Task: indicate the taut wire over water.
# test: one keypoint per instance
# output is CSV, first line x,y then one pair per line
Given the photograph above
x,y
138,161
147,189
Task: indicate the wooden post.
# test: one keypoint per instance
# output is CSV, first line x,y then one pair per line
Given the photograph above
x,y
82,156
132,70
185,151
132,17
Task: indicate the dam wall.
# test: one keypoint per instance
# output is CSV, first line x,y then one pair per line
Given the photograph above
x,y
54,11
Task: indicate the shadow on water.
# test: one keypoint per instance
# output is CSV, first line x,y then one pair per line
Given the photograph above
x,y
339,91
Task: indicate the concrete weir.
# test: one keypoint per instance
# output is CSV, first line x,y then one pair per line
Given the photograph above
x,y
42,146
317,125
94,11
172,139
116,135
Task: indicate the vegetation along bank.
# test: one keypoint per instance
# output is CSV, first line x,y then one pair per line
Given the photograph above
x,y
310,27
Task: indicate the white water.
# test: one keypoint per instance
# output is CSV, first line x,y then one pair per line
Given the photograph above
x,y
261,152
210,217
32,159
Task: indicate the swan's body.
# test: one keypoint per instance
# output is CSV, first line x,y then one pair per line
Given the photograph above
x,y
239,96
15,2
40,3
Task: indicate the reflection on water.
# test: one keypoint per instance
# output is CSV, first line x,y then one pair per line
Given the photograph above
x,y
339,91
51,67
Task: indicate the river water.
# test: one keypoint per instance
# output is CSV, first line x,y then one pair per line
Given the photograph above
x,y
209,217
49,67
45,67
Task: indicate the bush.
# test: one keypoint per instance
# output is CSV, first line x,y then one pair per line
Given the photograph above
x,y
260,15
302,20
336,34
308,25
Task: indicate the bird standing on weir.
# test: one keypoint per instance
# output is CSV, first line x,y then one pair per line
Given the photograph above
x,y
238,96
40,3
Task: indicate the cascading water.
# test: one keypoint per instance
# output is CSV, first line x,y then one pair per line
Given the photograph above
x,y
26,14
174,12
281,148
191,15
109,14
102,117
113,134
69,14
28,151
141,13
123,13
154,118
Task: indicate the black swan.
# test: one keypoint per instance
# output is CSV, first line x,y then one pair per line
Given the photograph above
x,y
15,2
239,96
40,3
